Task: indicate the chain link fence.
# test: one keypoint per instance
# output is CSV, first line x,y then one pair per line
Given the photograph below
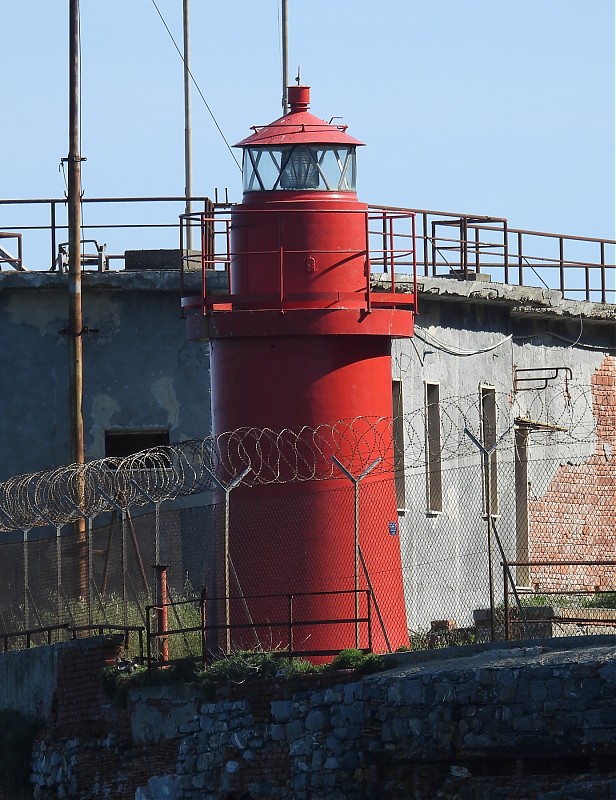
x,y
558,547
496,533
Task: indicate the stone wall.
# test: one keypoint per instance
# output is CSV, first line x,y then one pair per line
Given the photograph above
x,y
523,720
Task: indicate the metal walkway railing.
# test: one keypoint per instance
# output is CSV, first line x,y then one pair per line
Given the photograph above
x,y
453,245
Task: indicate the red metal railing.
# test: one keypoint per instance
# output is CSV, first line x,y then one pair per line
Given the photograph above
x,y
465,246
7,258
396,251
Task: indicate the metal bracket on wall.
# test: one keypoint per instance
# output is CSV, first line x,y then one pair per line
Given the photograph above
x,y
537,374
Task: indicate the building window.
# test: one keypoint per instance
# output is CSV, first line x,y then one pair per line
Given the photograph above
x,y
398,436
488,436
434,480
123,443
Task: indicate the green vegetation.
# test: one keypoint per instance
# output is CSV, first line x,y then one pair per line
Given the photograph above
x,y
17,734
240,667
606,600
596,600
362,663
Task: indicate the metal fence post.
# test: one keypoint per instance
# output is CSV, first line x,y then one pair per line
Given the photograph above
x,y
227,489
486,453
26,579
486,465
356,481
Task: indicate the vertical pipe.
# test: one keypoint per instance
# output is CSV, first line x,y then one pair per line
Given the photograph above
x,y
433,249
75,324
520,261
384,235
392,252
506,604
506,250
157,533
464,247
367,263
561,253
204,264
477,250
52,224
90,572
123,567
603,292
285,58
187,129
183,261
488,478
161,612
424,224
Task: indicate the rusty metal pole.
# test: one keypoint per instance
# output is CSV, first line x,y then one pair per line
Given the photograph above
x,y
75,326
161,611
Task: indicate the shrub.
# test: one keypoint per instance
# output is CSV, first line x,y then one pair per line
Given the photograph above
x,y
363,663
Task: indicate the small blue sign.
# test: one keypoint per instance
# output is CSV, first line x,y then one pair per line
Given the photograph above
x,y
393,528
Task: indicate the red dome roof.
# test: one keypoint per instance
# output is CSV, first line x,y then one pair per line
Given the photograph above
x,y
298,127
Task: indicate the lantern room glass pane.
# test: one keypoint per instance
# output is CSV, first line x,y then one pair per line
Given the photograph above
x,y
299,167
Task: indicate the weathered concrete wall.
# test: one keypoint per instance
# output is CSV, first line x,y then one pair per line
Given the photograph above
x,y
533,719
28,680
444,552
139,370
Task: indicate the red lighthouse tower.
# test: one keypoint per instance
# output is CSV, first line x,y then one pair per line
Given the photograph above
x,y
301,340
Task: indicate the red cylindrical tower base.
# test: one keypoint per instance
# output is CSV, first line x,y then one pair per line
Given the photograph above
x,y
300,538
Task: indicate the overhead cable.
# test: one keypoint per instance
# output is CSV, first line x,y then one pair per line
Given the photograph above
x,y
198,88
422,333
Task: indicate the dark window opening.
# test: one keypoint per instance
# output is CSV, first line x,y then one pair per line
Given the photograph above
x,y
398,434
488,435
119,444
434,482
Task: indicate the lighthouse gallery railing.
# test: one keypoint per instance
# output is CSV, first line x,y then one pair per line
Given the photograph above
x,y
389,248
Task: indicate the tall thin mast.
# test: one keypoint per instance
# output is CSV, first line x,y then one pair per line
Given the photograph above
x,y
187,131
75,322
285,58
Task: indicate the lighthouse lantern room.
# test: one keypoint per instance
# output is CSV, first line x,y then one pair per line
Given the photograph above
x,y
301,341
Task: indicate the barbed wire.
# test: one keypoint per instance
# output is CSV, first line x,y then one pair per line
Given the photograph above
x,y
61,495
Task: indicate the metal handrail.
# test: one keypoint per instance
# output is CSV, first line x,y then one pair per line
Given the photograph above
x,y
484,244
216,224
510,257
578,618
54,228
289,623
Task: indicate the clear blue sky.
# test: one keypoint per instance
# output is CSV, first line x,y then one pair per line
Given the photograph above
x,y
502,107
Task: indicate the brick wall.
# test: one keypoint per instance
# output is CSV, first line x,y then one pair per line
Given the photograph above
x,y
575,518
